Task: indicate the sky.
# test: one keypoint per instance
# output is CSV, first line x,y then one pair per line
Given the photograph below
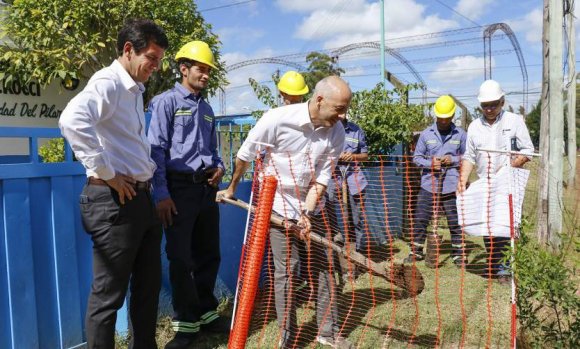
x,y
441,40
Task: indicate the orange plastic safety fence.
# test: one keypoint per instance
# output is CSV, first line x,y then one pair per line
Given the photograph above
x,y
252,264
388,278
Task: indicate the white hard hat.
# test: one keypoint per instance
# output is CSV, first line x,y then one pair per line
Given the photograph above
x,y
490,91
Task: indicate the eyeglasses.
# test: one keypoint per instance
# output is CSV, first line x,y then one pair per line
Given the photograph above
x,y
491,105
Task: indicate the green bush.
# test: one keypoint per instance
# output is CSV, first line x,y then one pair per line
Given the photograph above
x,y
548,307
386,118
52,151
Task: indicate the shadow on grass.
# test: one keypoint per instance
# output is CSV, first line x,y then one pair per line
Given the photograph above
x,y
445,255
353,307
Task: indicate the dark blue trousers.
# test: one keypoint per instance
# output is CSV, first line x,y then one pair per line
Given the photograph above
x,y
193,250
423,214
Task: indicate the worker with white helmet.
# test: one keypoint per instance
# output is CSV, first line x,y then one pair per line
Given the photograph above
x,y
499,130
292,87
438,152
184,146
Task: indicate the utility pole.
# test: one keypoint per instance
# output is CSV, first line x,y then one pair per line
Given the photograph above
x,y
556,132
397,84
571,116
551,127
276,78
383,44
542,223
222,98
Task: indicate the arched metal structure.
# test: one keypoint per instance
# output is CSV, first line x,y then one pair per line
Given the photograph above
x,y
222,94
487,34
265,60
373,44
394,53
335,53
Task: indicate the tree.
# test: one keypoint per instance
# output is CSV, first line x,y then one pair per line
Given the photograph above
x,y
386,120
320,65
533,123
264,95
45,40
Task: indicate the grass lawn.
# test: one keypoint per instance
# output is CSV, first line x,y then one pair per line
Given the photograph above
x,y
463,308
458,307
373,312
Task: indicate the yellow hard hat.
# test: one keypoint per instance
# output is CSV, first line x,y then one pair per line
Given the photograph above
x,y
444,107
196,51
293,84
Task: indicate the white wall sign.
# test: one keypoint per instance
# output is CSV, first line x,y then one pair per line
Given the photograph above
x,y
30,105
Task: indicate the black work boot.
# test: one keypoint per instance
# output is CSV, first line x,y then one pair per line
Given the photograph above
x,y
182,340
219,325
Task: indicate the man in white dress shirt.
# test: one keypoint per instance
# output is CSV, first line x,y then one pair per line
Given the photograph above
x,y
497,130
105,126
306,140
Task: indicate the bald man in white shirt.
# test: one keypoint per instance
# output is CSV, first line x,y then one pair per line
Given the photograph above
x,y
306,140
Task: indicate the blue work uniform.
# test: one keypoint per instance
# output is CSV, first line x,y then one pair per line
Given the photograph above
x,y
183,141
355,142
441,184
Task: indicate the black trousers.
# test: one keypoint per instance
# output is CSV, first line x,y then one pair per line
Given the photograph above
x,y
496,248
126,250
193,250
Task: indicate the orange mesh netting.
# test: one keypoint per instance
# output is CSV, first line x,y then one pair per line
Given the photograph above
x,y
376,270
252,261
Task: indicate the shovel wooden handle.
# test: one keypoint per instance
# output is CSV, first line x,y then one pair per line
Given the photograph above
x,y
404,276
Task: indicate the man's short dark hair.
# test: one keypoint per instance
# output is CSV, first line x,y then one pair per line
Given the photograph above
x,y
140,33
187,62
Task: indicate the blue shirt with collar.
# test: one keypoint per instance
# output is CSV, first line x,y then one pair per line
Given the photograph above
x,y
354,142
432,144
183,136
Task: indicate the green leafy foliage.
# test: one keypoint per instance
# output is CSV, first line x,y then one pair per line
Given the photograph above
x,y
320,65
52,151
386,120
533,122
548,308
264,94
46,40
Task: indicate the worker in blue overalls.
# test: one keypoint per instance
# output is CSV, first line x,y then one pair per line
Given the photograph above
x,y
184,146
438,153
346,194
355,151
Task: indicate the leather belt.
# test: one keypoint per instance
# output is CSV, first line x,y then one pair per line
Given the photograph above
x,y
196,178
137,185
